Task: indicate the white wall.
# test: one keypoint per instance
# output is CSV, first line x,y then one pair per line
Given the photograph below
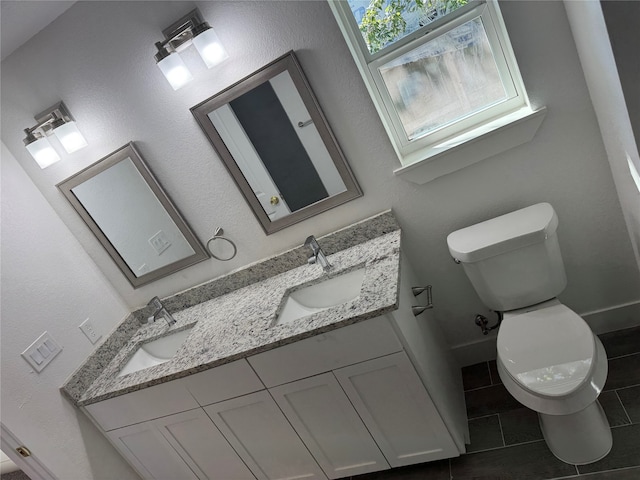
x,y
590,33
50,284
97,57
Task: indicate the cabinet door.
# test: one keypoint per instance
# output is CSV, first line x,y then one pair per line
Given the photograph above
x,y
150,453
201,445
326,421
183,446
264,439
397,410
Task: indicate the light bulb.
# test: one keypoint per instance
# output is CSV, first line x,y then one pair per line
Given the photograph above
x,y
175,71
70,137
42,152
209,47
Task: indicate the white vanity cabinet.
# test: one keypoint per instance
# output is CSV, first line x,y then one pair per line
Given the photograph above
x,y
183,446
379,393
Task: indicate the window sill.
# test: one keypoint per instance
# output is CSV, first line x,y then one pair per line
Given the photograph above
x,y
454,154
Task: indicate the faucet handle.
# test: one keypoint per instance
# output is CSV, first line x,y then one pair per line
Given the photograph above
x,y
311,242
312,260
155,302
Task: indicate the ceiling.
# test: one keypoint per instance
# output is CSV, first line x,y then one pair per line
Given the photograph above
x,y
22,19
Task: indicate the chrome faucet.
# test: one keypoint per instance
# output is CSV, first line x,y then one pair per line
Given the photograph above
x,y
160,311
318,255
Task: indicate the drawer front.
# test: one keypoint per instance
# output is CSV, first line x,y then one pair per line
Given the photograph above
x,y
146,404
328,351
222,383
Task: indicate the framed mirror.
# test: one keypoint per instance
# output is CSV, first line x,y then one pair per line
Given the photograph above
x,y
126,209
273,138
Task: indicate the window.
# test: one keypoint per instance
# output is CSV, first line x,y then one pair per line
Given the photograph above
x,y
440,72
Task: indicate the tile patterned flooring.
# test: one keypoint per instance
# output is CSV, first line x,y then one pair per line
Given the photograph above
x,y
506,441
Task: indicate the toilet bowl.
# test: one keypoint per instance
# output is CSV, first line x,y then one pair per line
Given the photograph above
x,y
547,356
551,362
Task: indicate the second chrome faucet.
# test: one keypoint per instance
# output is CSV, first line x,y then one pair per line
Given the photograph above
x,y
318,256
159,311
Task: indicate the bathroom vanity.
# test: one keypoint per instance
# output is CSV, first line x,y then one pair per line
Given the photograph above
x,y
354,387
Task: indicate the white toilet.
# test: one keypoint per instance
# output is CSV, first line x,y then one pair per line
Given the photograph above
x,y
548,358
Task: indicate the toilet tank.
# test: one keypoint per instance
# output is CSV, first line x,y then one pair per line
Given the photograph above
x,y
514,260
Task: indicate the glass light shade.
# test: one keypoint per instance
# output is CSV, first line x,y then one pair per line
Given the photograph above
x,y
43,153
209,47
70,137
175,71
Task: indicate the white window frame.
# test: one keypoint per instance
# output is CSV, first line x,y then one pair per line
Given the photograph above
x,y
455,134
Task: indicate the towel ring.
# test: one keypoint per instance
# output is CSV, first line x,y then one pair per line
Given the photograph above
x,y
218,236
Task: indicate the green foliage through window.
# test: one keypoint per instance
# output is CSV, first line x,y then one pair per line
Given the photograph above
x,y
386,21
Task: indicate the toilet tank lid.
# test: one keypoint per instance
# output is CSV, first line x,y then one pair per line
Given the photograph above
x,y
504,233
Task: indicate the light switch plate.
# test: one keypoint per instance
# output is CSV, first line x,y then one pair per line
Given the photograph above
x,y
40,353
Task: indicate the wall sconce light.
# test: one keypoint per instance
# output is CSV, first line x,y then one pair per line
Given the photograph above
x,y
56,120
190,29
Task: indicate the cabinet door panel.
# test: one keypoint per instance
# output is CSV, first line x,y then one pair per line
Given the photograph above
x,y
259,432
326,421
149,452
397,410
202,446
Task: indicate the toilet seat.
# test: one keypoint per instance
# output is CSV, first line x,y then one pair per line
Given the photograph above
x,y
549,359
548,349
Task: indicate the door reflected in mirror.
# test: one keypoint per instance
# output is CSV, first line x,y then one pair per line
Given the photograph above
x,y
132,217
274,140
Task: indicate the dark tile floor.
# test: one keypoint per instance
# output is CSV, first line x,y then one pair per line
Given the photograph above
x,y
506,441
17,475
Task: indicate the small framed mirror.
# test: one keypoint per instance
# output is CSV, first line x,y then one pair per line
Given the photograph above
x,y
131,216
273,138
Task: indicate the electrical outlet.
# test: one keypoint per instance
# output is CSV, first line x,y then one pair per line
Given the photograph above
x,y
89,330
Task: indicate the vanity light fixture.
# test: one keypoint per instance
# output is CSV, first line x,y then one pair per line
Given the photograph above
x,y
56,120
190,29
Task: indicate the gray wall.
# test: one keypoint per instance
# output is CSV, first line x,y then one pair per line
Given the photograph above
x,y
50,284
623,25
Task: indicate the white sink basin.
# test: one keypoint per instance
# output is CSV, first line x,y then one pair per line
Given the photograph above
x,y
155,352
320,296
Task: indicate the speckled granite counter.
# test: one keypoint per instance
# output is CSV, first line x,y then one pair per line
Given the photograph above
x,y
242,322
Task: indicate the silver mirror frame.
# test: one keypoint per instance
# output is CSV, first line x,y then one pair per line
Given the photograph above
x,y
129,151
289,63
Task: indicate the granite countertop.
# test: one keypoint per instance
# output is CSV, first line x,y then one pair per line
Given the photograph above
x,y
243,322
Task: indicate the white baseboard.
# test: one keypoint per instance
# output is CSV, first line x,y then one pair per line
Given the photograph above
x,y
614,318
481,350
601,321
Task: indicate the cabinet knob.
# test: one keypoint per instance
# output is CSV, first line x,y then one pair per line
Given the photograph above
x,y
274,200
